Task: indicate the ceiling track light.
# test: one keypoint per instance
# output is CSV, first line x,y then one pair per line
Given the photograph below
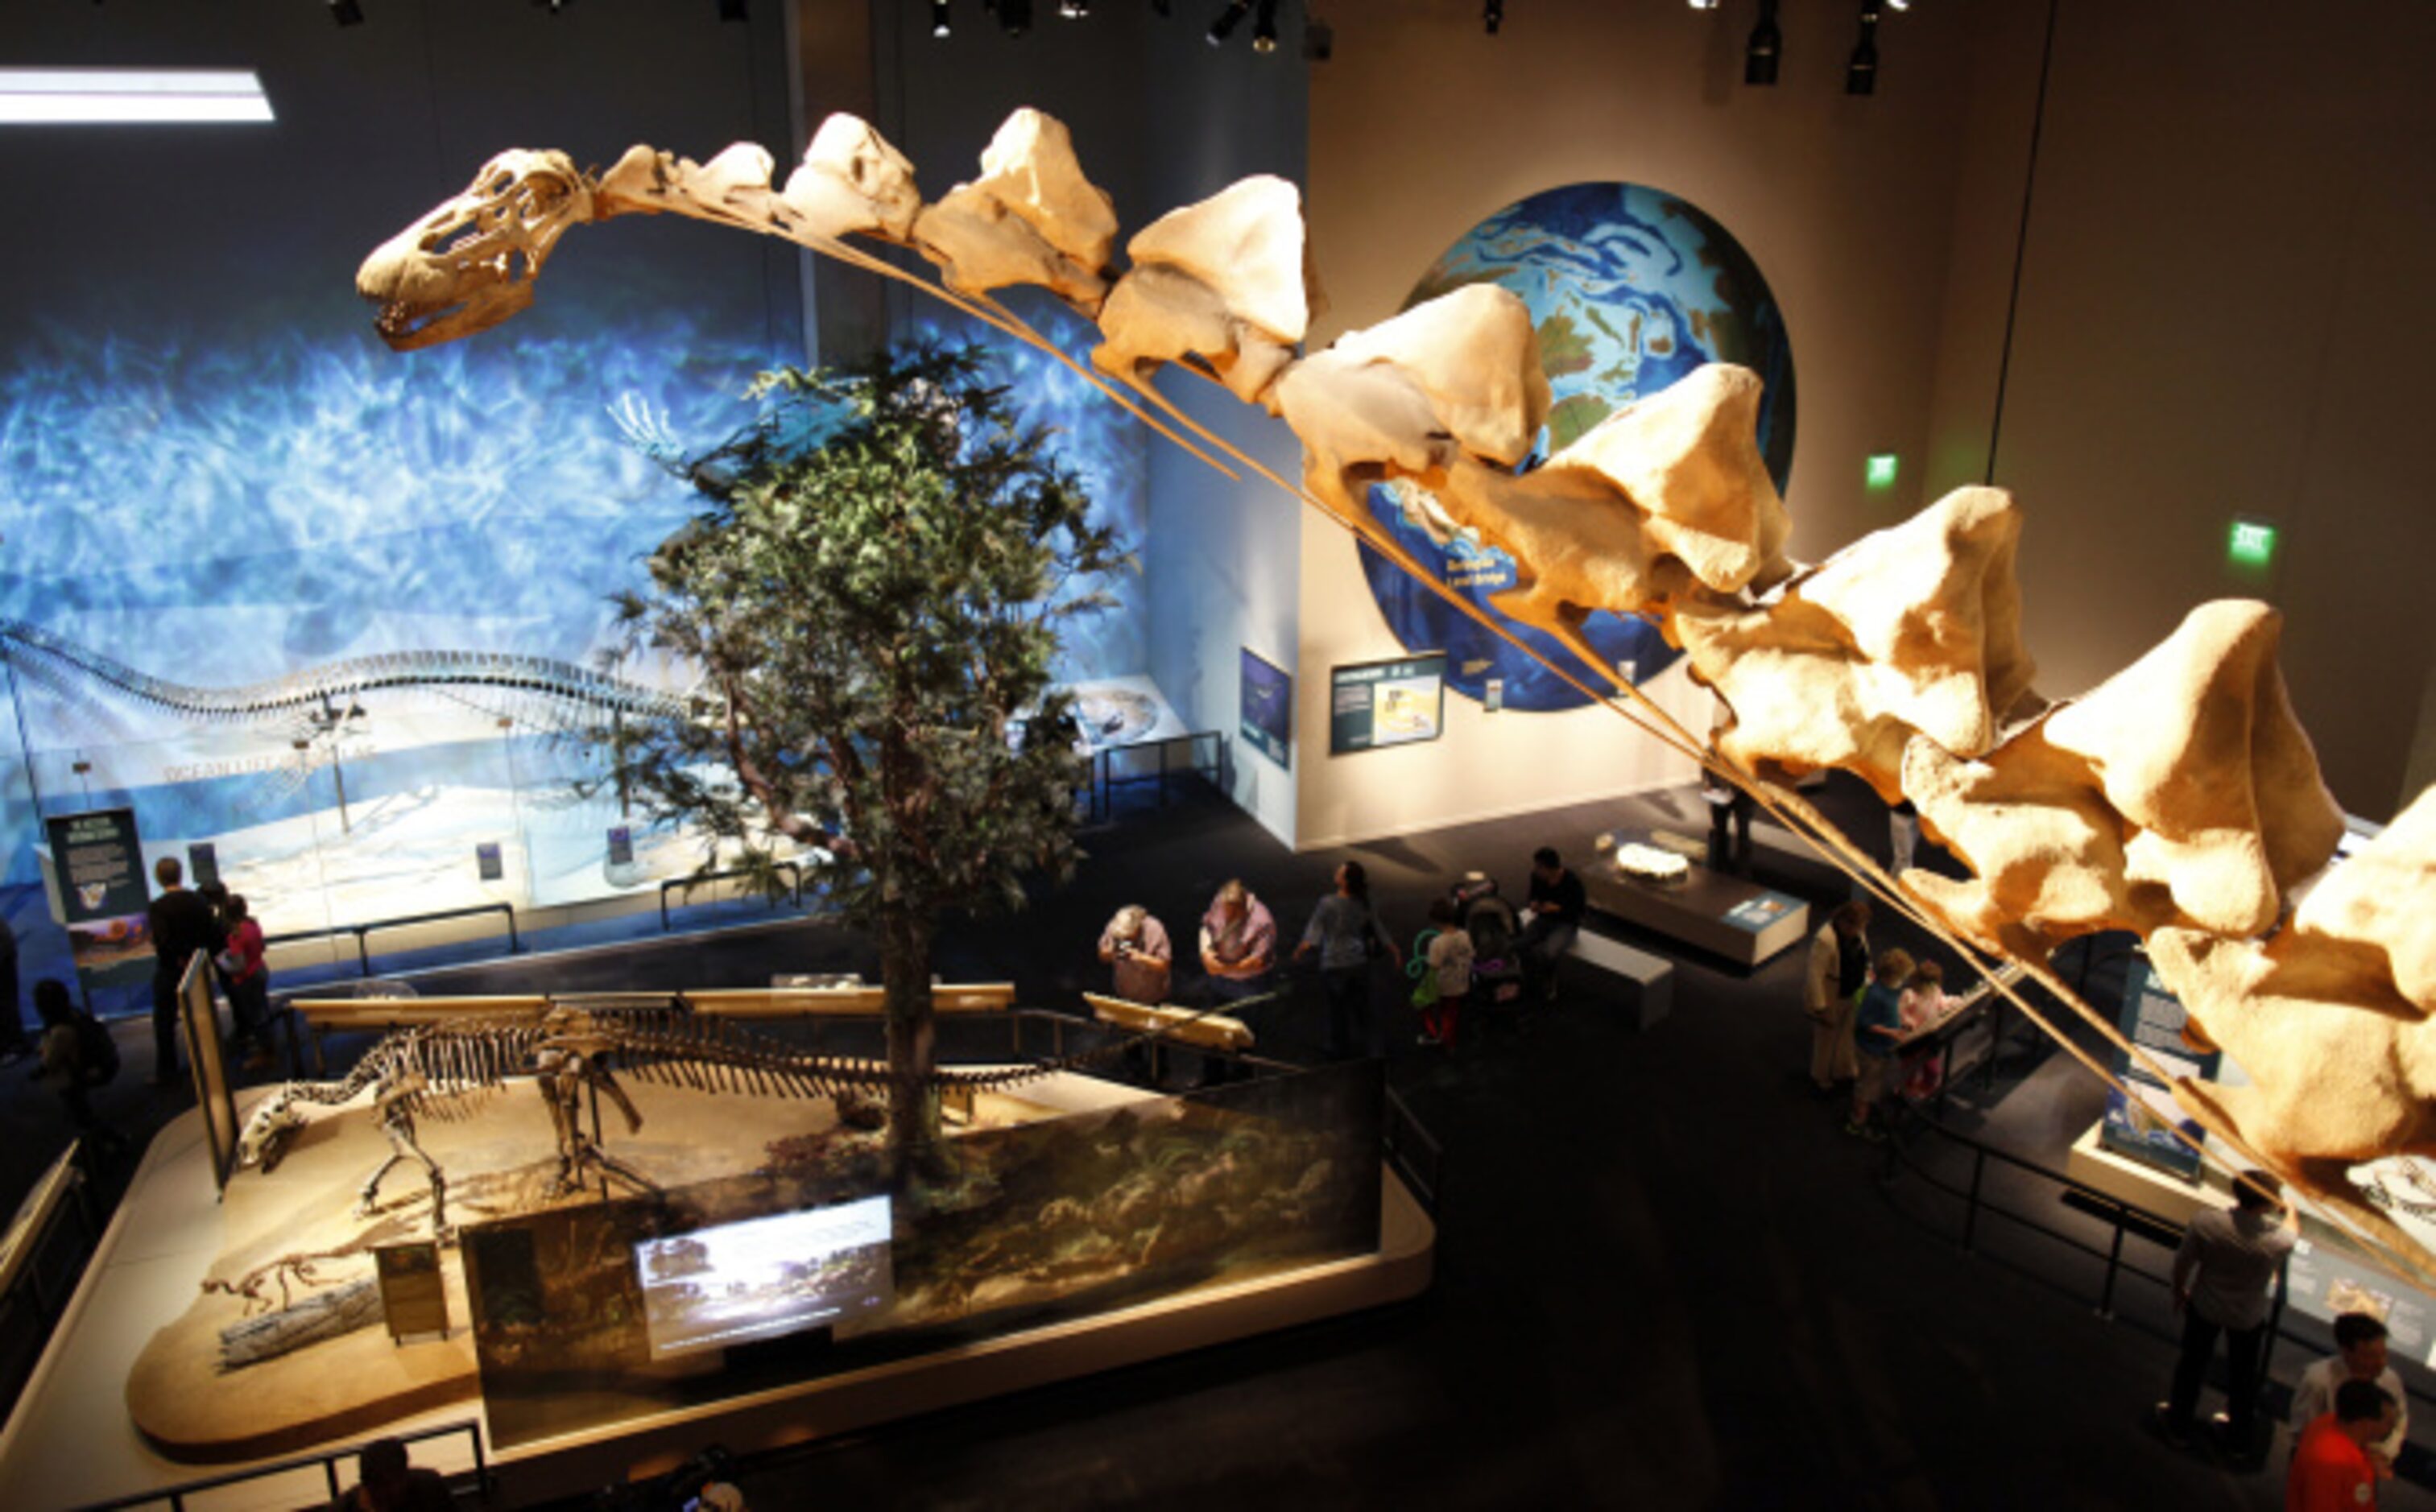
x,y
1265,27
939,22
347,13
733,11
1318,40
1766,45
1704,5
1074,9
1016,16
1228,21
1861,73
1492,15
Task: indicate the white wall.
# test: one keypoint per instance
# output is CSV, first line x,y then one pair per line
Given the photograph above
x,y
1421,126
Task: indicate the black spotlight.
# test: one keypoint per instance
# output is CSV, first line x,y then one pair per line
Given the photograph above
x,y
1265,27
1492,15
1766,45
1318,40
1228,21
1162,8
1016,16
939,26
1861,73
347,13
733,11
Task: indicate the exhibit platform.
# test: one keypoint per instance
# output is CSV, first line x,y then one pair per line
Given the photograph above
x,y
136,1343
1738,921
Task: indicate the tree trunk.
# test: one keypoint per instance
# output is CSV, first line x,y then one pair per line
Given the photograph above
x,y
912,1040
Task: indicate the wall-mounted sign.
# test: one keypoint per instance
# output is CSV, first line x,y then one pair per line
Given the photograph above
x,y
203,863
488,863
413,1297
1391,703
1267,700
98,862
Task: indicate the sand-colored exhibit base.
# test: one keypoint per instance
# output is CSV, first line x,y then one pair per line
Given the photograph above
x,y
499,1163
127,1397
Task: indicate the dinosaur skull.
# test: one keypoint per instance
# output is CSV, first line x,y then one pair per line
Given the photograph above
x,y
471,264
266,1135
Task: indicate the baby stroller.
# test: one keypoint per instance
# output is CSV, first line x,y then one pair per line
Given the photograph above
x,y
1496,934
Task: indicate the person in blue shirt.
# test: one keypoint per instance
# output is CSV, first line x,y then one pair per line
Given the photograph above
x,y
1877,1034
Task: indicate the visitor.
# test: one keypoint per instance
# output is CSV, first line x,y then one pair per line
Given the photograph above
x,y
1496,934
1553,919
1347,937
2222,1274
1729,826
1877,1031
1926,1006
12,1023
1449,959
2359,1355
1239,945
2334,1469
65,1069
242,968
182,924
386,1482
1135,948
1837,969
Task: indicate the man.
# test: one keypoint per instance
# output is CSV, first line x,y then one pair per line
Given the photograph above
x,y
2331,1469
1837,968
2222,1274
1135,945
1553,916
2359,1355
1239,945
181,923
388,1483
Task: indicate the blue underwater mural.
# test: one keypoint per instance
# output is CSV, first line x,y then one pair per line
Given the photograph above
x,y
1629,289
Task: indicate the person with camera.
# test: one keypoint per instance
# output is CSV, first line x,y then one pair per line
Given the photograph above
x,y
1135,948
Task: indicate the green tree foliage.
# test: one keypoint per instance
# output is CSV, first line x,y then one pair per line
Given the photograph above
x,y
875,619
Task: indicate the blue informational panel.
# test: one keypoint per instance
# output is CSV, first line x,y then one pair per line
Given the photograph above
x,y
1629,289
1267,699
98,863
2142,1125
1391,703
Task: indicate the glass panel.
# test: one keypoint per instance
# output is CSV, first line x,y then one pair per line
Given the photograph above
x,y
587,1316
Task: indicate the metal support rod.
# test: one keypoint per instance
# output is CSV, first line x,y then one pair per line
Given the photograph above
x,y
2114,1264
1971,1212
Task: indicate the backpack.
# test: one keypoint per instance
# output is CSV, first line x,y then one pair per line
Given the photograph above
x,y
97,1051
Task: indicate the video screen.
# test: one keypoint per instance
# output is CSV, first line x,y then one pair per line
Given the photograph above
x,y
766,1277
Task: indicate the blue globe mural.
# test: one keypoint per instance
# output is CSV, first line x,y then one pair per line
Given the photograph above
x,y
1630,290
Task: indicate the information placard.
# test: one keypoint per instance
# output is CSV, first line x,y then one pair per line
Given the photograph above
x,y
1381,704
2142,1126
1267,709
414,1299
98,860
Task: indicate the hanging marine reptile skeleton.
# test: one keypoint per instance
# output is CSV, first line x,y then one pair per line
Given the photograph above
x,y
447,1071
2181,800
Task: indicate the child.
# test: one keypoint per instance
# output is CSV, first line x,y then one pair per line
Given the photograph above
x,y
1925,1005
1449,956
1876,1031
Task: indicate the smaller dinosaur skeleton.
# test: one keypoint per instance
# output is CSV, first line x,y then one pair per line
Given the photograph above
x,y
446,1071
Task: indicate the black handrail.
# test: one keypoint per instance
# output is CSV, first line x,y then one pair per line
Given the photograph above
x,y
1104,781
364,932
688,883
327,1459
2126,1218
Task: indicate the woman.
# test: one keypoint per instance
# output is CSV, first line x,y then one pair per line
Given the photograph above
x,y
1877,1034
249,982
1449,956
1343,931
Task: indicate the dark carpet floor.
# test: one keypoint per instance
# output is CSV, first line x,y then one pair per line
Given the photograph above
x,y
1665,1278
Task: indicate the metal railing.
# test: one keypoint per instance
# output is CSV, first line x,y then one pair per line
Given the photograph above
x,y
326,1459
62,1189
364,932
2123,1220
1105,779
688,883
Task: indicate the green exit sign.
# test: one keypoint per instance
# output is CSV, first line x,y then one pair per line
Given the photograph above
x,y
1879,471
2250,544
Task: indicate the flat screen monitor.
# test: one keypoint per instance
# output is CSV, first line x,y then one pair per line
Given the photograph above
x,y
764,1277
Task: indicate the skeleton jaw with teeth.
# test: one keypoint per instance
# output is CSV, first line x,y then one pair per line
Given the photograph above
x,y
471,263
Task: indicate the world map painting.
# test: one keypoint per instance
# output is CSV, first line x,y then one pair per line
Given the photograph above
x,y
1629,289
